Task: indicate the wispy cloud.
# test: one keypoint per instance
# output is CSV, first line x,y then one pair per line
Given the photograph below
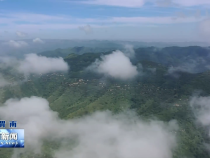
x,y
16,44
189,65
45,26
8,62
155,20
189,3
164,3
38,40
87,29
31,17
42,21
182,3
141,3
121,3
3,81
129,51
21,34
201,109
42,25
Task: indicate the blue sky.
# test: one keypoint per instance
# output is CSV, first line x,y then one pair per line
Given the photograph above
x,y
152,20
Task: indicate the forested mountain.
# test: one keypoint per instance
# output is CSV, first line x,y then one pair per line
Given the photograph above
x,y
155,93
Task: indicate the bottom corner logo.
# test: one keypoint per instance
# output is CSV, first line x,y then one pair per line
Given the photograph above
x,y
11,138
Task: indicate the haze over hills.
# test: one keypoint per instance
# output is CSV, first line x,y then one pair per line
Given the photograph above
x,y
24,46
189,59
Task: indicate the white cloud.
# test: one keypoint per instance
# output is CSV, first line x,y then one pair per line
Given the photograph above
x,y
185,3
34,64
201,107
99,135
16,44
47,26
155,20
122,3
189,3
116,65
87,29
33,17
141,3
64,25
21,34
38,40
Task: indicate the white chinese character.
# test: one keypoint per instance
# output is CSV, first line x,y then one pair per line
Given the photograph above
x,y
13,136
4,136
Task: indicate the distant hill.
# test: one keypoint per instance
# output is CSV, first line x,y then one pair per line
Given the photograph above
x,y
75,50
192,56
52,44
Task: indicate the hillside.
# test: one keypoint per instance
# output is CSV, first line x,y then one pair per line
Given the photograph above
x,y
154,94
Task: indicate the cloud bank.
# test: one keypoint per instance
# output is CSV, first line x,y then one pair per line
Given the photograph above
x,y
34,64
99,135
116,65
